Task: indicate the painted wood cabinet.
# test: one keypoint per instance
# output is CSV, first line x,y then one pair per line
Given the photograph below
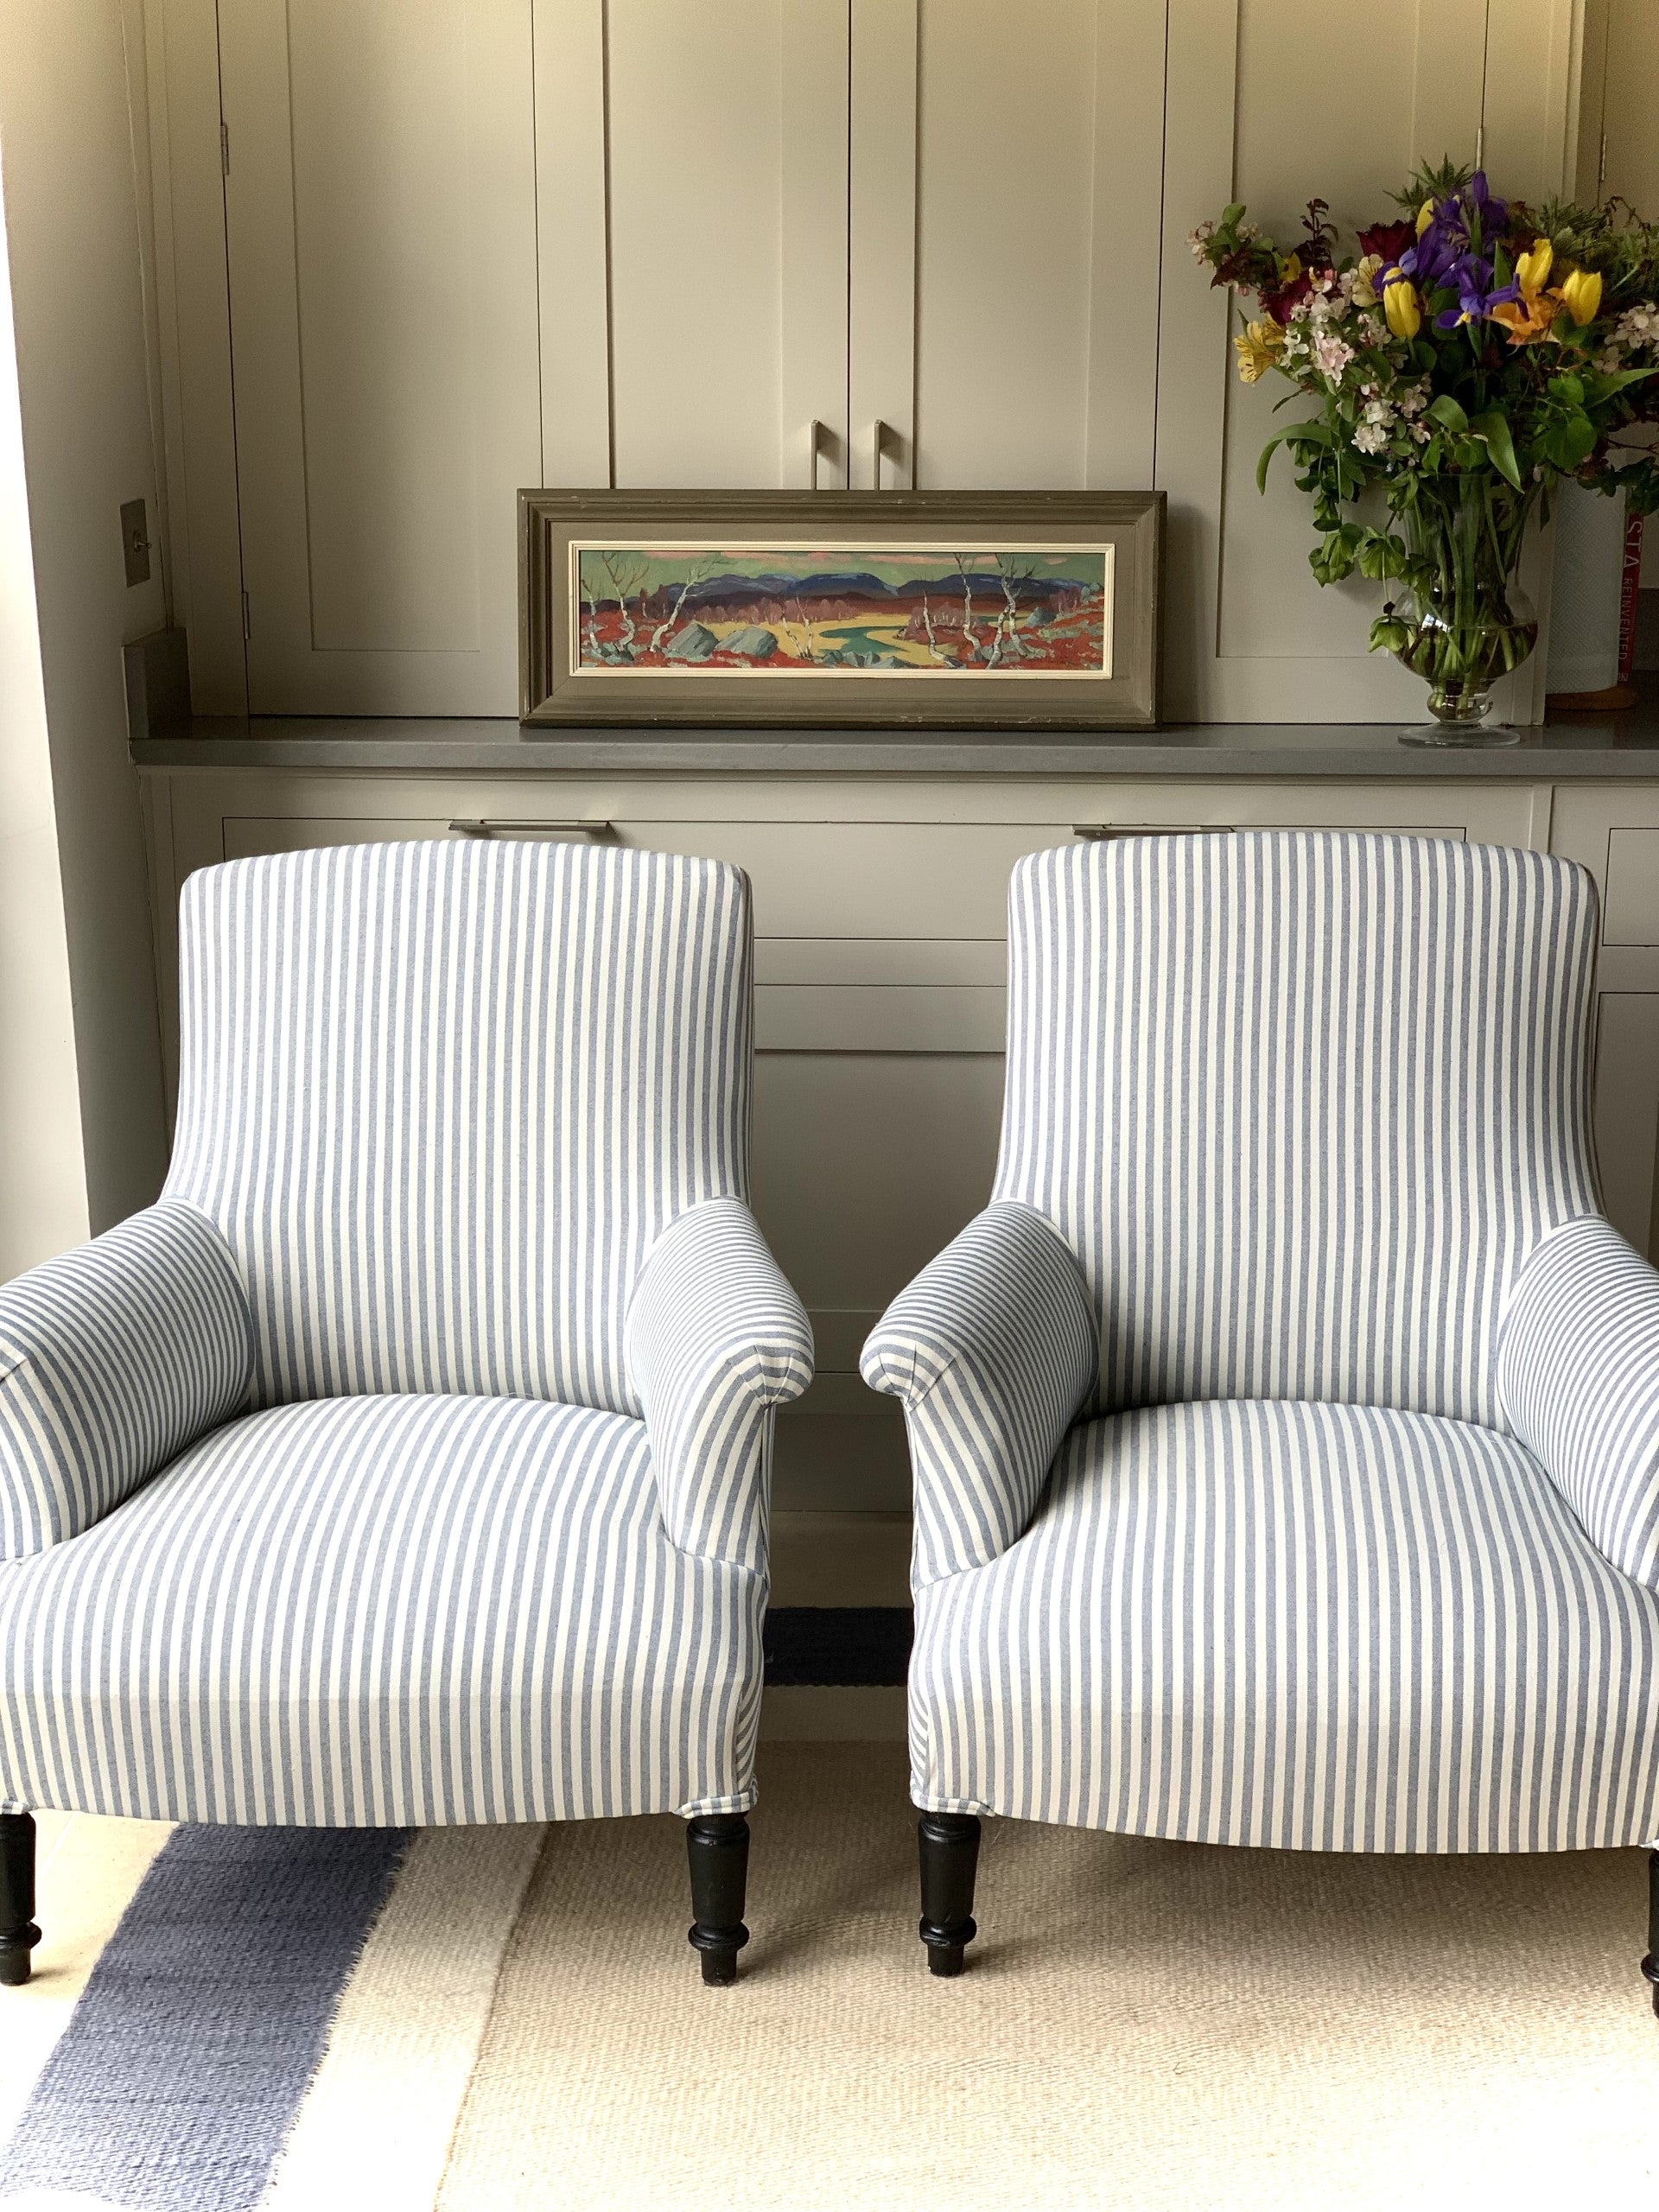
x,y
453,248
380,201
880,955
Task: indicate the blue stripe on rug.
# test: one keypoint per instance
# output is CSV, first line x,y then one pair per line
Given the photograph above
x,y
175,2082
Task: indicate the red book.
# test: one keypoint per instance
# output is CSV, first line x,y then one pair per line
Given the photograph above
x,y
1630,584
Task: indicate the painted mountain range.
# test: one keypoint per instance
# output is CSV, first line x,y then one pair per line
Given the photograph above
x,y
830,611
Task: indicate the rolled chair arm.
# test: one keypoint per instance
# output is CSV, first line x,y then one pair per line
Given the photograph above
x,y
112,1359
715,1339
992,1350
1578,1375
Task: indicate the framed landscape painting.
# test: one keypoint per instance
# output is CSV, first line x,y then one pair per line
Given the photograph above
x,y
955,609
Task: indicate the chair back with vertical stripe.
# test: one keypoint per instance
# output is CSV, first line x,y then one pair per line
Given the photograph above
x,y
441,1098
1301,1102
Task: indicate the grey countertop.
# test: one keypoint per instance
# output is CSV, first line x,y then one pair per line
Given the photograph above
x,y
1579,749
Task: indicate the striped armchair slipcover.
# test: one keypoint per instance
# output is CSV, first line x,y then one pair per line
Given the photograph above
x,y
1286,1432
407,1462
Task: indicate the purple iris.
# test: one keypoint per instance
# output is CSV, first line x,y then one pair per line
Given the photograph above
x,y
1445,257
1476,299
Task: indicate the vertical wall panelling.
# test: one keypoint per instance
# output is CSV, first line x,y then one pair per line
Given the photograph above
x,y
1252,636
194,330
881,278
1628,115
812,371
382,228
574,300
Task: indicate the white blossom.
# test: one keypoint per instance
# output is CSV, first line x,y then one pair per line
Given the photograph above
x,y
1332,354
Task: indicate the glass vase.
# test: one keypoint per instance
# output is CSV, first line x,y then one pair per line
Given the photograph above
x,y
1464,621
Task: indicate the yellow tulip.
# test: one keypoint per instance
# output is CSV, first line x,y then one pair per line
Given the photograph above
x,y
1425,216
1528,319
1580,295
1532,269
1290,268
1258,346
1400,306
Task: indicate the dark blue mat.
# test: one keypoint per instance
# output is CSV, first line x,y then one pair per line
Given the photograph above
x,y
177,2080
843,1647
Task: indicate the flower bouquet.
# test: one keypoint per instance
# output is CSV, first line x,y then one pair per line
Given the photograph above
x,y
1464,358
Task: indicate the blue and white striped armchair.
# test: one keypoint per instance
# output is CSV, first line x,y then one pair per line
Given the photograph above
x,y
1286,1432
407,1463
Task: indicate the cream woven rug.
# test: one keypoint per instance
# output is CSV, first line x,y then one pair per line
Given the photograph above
x,y
501,2019
1142,2025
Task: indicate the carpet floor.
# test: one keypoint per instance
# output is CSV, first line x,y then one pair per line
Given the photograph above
x,y
1143,2025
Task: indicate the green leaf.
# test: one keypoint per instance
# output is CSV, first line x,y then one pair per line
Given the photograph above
x,y
1332,560
1569,388
1445,411
1605,387
1302,433
1494,426
1381,556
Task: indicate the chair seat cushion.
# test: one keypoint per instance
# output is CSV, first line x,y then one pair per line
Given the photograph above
x,y
368,1611
1312,1626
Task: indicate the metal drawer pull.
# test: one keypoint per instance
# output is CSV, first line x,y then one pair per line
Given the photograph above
x,y
500,829
1097,832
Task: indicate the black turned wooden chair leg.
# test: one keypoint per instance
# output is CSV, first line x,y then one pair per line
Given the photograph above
x,y
718,1846
18,1933
950,1849
1650,1964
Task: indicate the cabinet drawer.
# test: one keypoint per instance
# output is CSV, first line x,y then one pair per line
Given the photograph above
x,y
879,1018
812,878
1631,911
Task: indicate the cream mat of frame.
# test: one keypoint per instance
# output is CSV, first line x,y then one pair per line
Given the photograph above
x,y
1143,2025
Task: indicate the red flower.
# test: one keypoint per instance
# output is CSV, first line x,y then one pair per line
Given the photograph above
x,y
1389,239
1280,303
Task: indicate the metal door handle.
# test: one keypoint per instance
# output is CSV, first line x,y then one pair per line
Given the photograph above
x,y
815,446
1101,832
880,435
482,827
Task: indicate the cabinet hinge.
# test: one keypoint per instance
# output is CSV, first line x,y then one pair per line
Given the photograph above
x,y
247,627
224,149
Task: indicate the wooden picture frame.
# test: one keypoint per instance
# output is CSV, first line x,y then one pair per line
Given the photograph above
x,y
1012,610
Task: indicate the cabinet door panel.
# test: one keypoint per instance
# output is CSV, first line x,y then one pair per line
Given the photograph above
x,y
1005,222
1627,1108
692,172
382,244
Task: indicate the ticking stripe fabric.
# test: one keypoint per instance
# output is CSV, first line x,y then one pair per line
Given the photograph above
x,y
385,1611
1577,1371
441,1099
112,1359
992,1350
1301,1103
1308,1626
717,1338
1308,1110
